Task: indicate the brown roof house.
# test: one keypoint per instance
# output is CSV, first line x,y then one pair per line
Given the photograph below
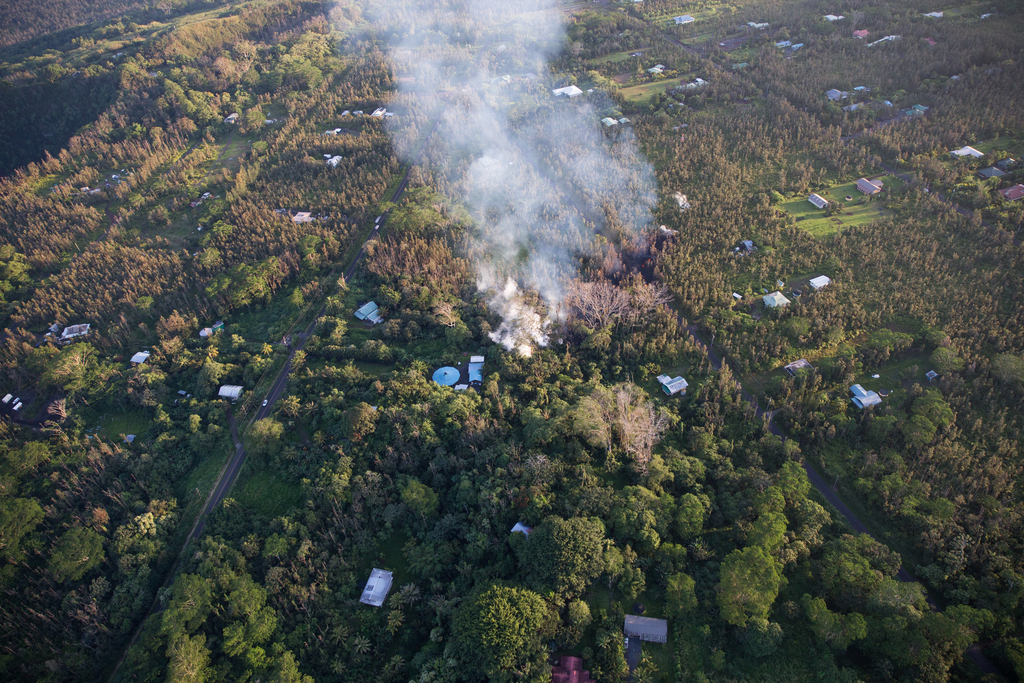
x,y
1012,194
570,670
869,186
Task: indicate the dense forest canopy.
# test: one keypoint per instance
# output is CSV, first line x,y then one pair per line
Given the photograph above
x,y
214,188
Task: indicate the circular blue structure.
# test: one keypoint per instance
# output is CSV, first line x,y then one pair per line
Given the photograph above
x,y
446,376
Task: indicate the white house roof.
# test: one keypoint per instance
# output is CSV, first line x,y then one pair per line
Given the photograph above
x,y
521,528
646,628
302,217
798,365
206,332
568,91
75,331
684,19
967,152
675,385
863,397
476,359
141,357
820,281
833,17
818,201
377,588
334,161
231,391
933,15
609,122
663,379
8,397
775,299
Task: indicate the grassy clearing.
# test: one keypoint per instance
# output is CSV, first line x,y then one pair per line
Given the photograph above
x,y
617,57
642,93
857,211
112,426
268,494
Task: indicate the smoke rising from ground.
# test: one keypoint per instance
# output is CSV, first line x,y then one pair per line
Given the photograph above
x,y
539,175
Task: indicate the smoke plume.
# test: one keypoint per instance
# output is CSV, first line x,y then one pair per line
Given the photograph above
x,y
546,184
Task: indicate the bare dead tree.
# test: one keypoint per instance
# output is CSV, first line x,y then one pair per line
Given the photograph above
x,y
597,303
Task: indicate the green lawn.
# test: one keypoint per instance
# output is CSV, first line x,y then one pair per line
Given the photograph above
x,y
113,426
268,494
642,93
616,57
858,211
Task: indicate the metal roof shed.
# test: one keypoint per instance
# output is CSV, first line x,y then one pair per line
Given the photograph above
x,y
140,357
820,281
232,391
646,628
377,587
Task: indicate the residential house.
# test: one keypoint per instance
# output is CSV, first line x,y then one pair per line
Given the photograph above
x,y
673,385
1012,194
836,95
609,122
863,398
623,121
569,91
656,69
798,365
882,40
775,300
231,118
754,24
1006,164
820,282
861,88
833,17
869,186
646,628
140,357
931,375
570,670
685,19
933,15
521,528
967,151
379,112
74,331
369,312
230,391
334,161
818,201
748,245
476,370
303,217
852,107
377,588
784,43
991,172
863,33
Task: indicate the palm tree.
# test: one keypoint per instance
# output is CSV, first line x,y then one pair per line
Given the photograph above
x,y
395,620
360,645
337,667
339,634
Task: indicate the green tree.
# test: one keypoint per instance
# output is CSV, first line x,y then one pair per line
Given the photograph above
x,y
680,598
360,421
832,628
420,498
749,583
264,437
562,555
18,517
190,604
189,659
500,631
77,551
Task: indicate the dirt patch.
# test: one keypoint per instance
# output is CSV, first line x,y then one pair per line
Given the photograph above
x,y
730,44
621,78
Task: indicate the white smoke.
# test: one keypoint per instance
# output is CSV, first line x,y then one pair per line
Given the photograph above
x,y
539,176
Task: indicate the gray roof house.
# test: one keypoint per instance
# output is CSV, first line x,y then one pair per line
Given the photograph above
x,y
377,588
869,186
991,172
646,628
818,201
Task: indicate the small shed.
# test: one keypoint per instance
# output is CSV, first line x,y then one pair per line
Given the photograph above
x,y
230,391
818,201
684,19
931,375
646,628
377,587
748,245
303,217
521,528
775,300
140,357
231,118
820,281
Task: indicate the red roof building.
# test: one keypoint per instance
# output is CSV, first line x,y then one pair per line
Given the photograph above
x,y
863,33
570,670
1012,194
